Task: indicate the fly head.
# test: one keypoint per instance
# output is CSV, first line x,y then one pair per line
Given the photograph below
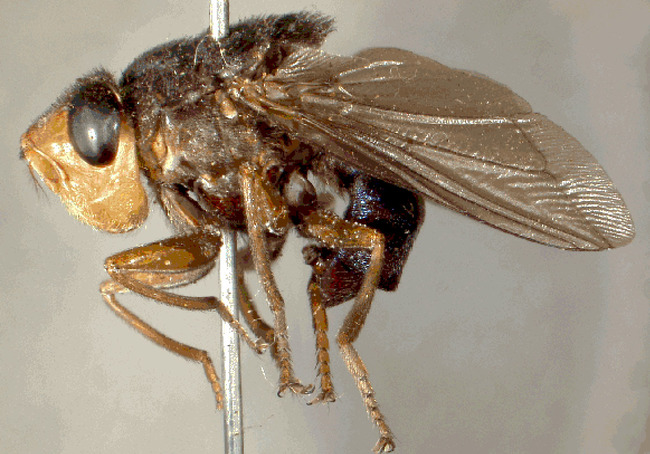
x,y
83,148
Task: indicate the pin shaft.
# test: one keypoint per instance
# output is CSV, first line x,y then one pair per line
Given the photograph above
x,y
233,433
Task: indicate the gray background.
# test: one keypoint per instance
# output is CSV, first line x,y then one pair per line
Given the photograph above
x,y
492,344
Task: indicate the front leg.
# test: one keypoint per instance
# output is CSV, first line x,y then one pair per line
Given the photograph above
x,y
266,212
173,262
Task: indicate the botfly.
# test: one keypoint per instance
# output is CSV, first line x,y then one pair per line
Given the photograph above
x,y
239,134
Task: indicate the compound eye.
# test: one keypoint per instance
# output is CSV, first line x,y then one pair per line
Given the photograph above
x,y
94,123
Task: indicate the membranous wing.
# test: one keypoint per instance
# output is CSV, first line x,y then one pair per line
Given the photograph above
x,y
459,138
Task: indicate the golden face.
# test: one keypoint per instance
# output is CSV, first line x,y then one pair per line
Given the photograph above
x,y
84,151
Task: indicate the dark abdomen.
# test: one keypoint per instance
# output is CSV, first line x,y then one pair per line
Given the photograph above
x,y
394,212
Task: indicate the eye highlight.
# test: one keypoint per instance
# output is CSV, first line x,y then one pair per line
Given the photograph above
x,y
94,123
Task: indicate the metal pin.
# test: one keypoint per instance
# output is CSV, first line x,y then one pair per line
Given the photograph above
x,y
219,16
233,431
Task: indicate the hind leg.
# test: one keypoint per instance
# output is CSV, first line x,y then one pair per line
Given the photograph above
x,y
337,233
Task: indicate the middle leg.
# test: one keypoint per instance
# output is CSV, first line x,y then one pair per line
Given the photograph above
x,y
265,212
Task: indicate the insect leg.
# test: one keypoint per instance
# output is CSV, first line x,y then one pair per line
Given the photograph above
x,y
265,211
260,328
172,262
319,320
246,304
108,290
335,232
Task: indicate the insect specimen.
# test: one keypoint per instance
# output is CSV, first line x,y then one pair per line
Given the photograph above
x,y
238,134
